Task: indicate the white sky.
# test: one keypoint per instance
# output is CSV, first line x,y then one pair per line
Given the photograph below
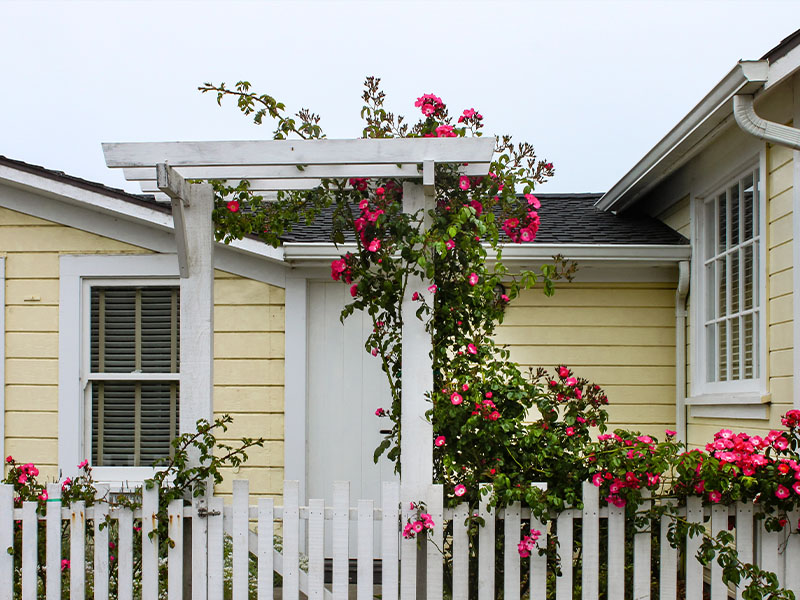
x,y
592,85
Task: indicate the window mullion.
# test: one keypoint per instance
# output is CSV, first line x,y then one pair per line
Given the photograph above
x,y
728,328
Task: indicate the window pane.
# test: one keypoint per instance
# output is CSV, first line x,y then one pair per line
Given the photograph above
x,y
747,206
734,215
722,351
748,277
722,223
709,226
113,328
735,341
734,294
710,299
722,274
160,325
711,355
749,346
133,423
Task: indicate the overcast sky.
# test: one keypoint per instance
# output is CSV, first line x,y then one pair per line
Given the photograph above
x,y
592,85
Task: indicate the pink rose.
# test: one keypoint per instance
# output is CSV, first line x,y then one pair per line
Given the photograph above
x,y
432,288
449,244
439,441
233,206
456,398
533,201
473,279
472,349
354,290
463,182
460,490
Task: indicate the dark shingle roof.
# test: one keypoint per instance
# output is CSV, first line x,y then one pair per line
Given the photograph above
x,y
566,219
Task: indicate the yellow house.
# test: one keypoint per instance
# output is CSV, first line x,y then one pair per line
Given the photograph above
x,y
726,177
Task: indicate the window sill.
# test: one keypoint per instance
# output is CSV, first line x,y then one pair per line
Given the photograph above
x,y
749,405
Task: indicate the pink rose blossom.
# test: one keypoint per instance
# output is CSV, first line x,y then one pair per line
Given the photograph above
x,y
449,244
380,191
456,398
374,352
533,201
233,206
354,290
473,279
782,492
463,182
83,464
439,441
472,349
715,497
571,382
563,372
64,564
670,433
432,288
445,131
374,245
460,490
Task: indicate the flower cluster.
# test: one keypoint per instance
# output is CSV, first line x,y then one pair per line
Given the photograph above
x,y
420,523
431,106
528,543
487,409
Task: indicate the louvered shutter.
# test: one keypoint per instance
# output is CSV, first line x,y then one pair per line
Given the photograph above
x,y
134,373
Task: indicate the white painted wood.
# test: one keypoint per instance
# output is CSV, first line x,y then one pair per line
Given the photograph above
x,y
365,549
300,152
460,552
564,531
265,548
2,357
52,541
719,522
590,570
101,547
408,552
744,539
668,570
125,556
416,446
149,543
316,546
795,258
77,549
256,185
512,529
538,568
486,546
390,526
641,556
332,365
616,558
694,570
216,534
199,551
241,556
295,382
341,538
175,552
792,554
291,558
435,544
197,312
770,544
7,540
29,550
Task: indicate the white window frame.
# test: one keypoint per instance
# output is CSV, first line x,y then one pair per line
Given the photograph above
x,y
2,358
741,398
77,275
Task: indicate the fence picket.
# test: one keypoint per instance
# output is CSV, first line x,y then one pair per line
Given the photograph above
x,y
792,554
216,541
460,552
641,556
340,531
511,534
770,541
616,558
150,544
175,552
30,547
125,555
100,524
719,522
241,556
744,539
77,549
199,550
366,539
53,542
564,584
291,524
389,537
435,578
266,524
694,570
7,540
590,567
668,570
538,571
316,548
408,555
486,542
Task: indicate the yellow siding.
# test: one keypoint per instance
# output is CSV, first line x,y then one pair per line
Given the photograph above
x,y
619,335
248,341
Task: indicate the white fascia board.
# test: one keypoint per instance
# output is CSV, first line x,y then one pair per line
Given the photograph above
x,y
307,253
121,211
701,125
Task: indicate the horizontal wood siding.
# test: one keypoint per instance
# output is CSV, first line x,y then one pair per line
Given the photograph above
x,y
248,341
619,335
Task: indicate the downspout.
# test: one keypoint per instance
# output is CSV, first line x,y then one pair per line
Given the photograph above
x,y
680,349
750,122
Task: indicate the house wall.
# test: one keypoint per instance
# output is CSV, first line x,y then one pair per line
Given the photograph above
x,y
618,335
248,342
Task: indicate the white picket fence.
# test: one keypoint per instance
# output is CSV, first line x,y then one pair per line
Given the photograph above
x,y
252,530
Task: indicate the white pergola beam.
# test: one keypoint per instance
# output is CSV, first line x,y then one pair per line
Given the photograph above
x,y
179,192
300,152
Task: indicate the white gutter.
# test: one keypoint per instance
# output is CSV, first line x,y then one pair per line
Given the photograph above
x,y
688,137
307,252
775,133
680,349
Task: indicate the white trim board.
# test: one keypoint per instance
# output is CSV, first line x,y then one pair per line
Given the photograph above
x,y
796,252
2,357
149,229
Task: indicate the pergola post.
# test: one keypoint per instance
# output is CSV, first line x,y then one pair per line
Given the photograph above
x,y
416,443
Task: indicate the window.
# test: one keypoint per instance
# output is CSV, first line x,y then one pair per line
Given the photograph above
x,y
133,374
118,364
730,304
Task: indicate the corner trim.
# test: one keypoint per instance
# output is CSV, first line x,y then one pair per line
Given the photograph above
x,y
2,357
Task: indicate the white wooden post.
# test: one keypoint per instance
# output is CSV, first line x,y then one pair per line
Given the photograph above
x,y
6,539
241,557
30,548
101,565
53,542
175,552
389,538
486,547
266,513
77,549
590,519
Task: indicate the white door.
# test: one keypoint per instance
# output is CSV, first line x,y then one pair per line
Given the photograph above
x,y
345,387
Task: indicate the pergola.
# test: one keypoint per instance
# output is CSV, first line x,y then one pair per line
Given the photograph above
x,y
269,166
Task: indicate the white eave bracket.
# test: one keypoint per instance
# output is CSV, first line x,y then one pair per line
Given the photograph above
x,y
173,185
